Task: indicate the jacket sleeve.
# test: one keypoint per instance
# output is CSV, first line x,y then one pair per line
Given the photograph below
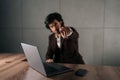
x,y
73,40
49,54
74,35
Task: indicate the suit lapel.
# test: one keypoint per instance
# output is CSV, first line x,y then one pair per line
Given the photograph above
x,y
55,42
62,40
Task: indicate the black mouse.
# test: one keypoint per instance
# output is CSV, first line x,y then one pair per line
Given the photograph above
x,y
81,72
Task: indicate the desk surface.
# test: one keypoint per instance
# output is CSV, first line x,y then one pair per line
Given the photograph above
x,y
13,67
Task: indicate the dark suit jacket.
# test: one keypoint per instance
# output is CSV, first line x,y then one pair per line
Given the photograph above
x,y
68,53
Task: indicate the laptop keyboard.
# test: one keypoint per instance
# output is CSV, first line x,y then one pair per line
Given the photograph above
x,y
49,67
53,67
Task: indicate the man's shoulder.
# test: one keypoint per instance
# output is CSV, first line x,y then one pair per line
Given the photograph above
x,y
52,35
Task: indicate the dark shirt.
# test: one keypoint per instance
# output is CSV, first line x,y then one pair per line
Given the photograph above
x,y
68,53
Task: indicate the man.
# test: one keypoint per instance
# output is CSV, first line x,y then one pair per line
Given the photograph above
x,y
63,42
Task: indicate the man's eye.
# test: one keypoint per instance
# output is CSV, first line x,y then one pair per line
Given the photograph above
x,y
52,26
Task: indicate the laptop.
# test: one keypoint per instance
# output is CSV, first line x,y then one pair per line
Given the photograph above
x,y
35,61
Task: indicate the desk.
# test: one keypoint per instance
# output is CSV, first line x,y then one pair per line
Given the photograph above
x,y
13,67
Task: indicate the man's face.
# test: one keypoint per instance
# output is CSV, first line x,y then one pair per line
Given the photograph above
x,y
55,26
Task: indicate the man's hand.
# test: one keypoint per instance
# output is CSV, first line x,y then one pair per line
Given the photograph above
x,y
64,31
49,60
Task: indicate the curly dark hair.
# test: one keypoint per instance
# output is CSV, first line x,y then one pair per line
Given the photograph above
x,y
51,17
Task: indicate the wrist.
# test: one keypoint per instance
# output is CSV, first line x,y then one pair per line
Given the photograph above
x,y
70,32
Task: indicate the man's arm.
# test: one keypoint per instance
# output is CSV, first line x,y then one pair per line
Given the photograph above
x,y
49,55
69,32
74,34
